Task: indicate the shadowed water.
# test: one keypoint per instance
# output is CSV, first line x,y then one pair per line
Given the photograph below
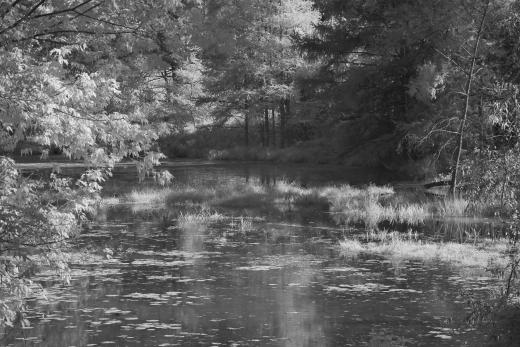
x,y
279,282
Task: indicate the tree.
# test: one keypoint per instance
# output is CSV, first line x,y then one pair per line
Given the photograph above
x,y
467,95
251,58
79,76
394,73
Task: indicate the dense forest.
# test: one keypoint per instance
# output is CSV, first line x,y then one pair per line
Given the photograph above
x,y
426,88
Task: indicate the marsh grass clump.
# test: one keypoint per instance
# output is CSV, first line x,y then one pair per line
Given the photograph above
x,y
286,188
351,247
411,213
452,207
450,252
369,206
379,235
149,195
379,191
109,201
373,205
346,197
245,225
302,197
397,246
197,219
242,224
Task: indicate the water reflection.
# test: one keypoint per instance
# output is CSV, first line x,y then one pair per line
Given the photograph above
x,y
281,282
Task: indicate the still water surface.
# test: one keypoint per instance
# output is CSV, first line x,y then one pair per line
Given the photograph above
x,y
283,282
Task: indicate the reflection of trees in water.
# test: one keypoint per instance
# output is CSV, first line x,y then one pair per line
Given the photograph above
x,y
267,178
192,237
451,230
467,230
253,304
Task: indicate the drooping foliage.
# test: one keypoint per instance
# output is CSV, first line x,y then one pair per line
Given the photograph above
x,y
37,218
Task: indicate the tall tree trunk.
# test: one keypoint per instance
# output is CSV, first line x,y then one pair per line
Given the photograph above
x,y
286,118
246,130
167,87
262,133
273,111
282,122
467,97
246,122
266,126
505,182
482,126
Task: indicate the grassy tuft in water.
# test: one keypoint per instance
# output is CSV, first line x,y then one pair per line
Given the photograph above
x,y
351,247
452,207
109,201
149,195
394,245
371,205
242,224
194,219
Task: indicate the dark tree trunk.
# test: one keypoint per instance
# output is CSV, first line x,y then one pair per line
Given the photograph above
x,y
167,87
287,114
266,126
273,111
282,122
246,130
246,123
262,133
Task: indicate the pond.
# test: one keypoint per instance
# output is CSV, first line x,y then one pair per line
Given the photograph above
x,y
268,276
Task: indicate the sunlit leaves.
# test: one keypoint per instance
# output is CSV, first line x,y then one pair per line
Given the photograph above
x,y
80,77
